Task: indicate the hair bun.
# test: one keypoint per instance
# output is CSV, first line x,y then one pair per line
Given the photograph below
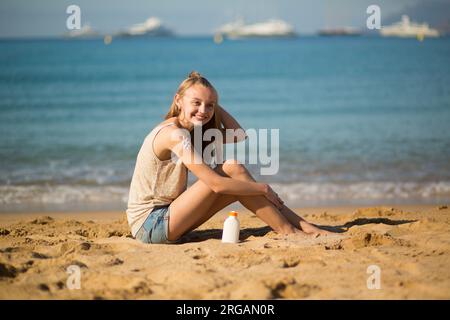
x,y
195,75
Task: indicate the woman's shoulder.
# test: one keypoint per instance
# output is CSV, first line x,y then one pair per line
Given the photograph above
x,y
166,131
170,122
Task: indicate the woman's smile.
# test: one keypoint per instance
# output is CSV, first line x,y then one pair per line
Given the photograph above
x,y
201,117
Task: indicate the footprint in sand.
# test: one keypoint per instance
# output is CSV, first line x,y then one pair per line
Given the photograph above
x,y
43,220
197,253
7,271
114,262
371,239
290,289
73,247
289,263
38,255
199,256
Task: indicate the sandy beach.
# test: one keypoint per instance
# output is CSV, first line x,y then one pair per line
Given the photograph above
x,y
409,244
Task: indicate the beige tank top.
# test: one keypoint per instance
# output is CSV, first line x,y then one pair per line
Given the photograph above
x,y
154,182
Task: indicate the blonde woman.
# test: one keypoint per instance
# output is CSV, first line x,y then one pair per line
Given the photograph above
x,y
161,209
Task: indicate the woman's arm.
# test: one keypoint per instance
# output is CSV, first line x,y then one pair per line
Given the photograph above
x,y
235,131
178,142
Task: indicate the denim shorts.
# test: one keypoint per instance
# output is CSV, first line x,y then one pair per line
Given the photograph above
x,y
156,227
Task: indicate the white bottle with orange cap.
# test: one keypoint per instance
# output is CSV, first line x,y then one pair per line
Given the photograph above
x,y
231,228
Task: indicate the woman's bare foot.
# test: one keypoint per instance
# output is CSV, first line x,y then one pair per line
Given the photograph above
x,y
307,231
314,230
292,232
297,235
313,233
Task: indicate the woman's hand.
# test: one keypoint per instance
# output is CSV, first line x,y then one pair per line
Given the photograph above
x,y
273,197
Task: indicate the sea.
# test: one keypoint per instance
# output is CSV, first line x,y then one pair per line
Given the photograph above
x,y
361,120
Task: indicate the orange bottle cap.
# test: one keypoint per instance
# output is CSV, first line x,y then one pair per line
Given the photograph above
x,y
233,213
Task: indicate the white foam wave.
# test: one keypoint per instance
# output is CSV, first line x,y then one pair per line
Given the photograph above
x,y
30,195
46,194
363,190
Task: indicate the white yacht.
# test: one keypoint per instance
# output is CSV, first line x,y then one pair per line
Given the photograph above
x,y
270,28
151,27
406,29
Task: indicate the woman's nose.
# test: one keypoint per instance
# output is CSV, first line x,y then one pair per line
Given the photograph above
x,y
202,108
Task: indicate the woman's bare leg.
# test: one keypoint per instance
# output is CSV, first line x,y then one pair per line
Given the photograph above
x,y
290,215
191,208
222,201
236,171
301,223
259,205
198,202
256,204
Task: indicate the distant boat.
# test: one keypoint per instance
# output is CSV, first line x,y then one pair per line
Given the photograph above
x,y
152,27
85,32
344,31
407,29
270,28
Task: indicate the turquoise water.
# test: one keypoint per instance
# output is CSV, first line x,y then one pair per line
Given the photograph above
x,y
362,120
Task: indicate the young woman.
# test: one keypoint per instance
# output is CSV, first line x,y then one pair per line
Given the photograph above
x,y
161,209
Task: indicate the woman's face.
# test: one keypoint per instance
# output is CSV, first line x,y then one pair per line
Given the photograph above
x,y
197,104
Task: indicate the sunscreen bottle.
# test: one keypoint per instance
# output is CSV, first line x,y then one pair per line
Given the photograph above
x,y
231,228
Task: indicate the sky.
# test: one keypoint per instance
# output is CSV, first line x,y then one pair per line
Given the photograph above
x,y
42,18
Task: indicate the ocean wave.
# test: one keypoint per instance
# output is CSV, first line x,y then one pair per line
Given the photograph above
x,y
31,195
60,194
363,190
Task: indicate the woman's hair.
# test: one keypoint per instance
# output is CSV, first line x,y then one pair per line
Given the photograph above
x,y
196,78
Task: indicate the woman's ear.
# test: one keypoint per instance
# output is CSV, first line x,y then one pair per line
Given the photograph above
x,y
177,100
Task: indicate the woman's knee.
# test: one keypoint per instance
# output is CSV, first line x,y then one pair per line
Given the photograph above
x,y
233,168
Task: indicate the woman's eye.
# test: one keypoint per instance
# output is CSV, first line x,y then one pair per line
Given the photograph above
x,y
196,103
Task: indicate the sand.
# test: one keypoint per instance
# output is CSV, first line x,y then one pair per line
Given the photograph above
x,y
409,244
